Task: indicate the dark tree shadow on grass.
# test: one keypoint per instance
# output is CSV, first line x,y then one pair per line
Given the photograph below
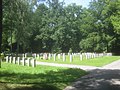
x,y
98,80
50,80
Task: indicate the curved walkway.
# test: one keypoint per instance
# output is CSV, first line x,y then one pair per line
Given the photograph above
x,y
86,68
99,78
113,65
105,78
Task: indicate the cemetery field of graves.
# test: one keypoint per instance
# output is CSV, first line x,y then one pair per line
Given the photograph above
x,y
23,73
60,45
89,59
18,77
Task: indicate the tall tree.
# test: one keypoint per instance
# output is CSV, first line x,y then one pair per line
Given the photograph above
x,y
52,27
17,21
102,36
0,31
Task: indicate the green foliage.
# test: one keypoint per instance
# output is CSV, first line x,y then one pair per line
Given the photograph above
x,y
53,26
99,29
16,14
2,56
115,17
70,50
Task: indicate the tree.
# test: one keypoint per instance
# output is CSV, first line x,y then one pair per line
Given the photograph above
x,y
32,26
115,16
16,21
99,26
0,32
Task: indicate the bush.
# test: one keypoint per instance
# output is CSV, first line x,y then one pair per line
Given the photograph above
x,y
2,56
70,50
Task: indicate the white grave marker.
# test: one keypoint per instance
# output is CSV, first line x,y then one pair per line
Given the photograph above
x,y
54,57
35,55
71,58
28,61
10,59
7,59
86,56
38,56
33,62
64,58
49,56
81,57
58,56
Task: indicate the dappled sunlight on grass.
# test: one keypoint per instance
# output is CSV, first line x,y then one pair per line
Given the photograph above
x,y
40,77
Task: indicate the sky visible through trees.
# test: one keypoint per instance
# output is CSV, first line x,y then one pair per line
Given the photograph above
x,y
84,3
54,27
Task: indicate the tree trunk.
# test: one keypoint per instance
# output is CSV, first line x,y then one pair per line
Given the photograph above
x,y
11,42
11,31
17,51
1,30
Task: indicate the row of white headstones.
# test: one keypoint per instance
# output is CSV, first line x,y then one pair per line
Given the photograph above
x,y
24,60
21,60
72,55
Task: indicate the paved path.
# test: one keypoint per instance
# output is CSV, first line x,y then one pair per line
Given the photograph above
x,y
87,68
105,78
113,65
99,78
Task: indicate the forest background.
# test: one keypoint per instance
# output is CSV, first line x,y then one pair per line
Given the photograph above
x,y
54,27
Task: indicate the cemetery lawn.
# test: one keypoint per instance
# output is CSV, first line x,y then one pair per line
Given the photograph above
x,y
14,77
98,62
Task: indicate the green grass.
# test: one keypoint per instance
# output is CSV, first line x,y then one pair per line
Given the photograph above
x,y
100,61
14,77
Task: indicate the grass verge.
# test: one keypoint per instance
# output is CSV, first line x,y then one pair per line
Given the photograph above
x,y
98,62
14,77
